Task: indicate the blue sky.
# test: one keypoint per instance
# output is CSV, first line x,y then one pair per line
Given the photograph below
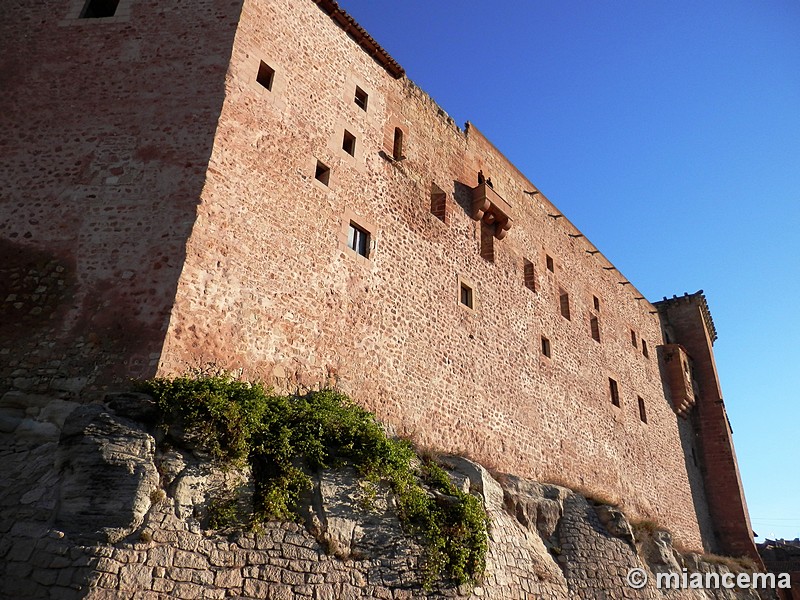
x,y
668,133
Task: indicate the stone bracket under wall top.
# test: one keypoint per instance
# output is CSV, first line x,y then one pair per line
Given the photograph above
x,y
491,208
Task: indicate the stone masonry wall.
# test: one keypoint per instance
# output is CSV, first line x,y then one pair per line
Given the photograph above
x,y
107,129
65,533
270,286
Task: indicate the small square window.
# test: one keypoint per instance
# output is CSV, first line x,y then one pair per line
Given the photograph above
x,y
466,296
550,265
361,98
645,350
529,274
594,324
266,75
349,143
642,410
322,173
564,302
614,389
358,240
634,343
546,347
596,303
99,9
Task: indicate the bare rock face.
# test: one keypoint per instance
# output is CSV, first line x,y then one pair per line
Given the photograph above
x,y
615,522
107,474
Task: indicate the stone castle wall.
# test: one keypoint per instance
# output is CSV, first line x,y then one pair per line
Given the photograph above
x,y
270,284
161,211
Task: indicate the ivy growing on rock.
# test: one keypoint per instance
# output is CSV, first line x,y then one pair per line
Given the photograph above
x,y
283,438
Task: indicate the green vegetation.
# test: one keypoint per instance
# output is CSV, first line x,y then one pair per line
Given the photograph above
x,y
283,438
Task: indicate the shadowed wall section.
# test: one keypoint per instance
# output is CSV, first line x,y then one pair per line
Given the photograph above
x,y
107,125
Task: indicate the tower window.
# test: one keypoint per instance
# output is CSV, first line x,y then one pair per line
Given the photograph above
x,y
645,351
349,143
634,343
642,411
438,203
487,242
397,146
361,98
466,296
564,302
546,347
596,303
358,240
99,9
550,265
322,173
614,389
266,75
594,324
530,275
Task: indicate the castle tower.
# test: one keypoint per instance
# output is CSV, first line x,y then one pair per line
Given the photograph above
x,y
690,335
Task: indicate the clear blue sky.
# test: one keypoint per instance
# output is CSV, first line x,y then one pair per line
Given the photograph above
x,y
669,133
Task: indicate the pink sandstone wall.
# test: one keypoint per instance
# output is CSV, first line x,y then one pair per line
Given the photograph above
x,y
269,283
107,129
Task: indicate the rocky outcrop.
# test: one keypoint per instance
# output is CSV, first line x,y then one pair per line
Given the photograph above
x,y
91,506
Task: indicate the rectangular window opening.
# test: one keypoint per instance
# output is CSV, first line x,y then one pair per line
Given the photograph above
x,y
530,275
550,265
546,347
634,343
614,389
99,9
564,302
466,296
487,242
397,146
645,351
595,326
438,203
266,75
361,98
596,303
642,410
349,143
358,240
322,173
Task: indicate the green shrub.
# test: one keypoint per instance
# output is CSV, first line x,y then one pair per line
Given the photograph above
x,y
283,437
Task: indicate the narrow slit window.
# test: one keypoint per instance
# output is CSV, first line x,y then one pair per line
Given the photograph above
x,y
596,303
466,296
645,351
361,98
99,9
634,343
550,265
487,242
322,173
563,300
642,410
614,389
397,146
546,347
358,240
349,143
594,324
266,75
529,274
438,203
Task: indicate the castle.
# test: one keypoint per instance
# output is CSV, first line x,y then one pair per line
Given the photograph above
x,y
257,184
